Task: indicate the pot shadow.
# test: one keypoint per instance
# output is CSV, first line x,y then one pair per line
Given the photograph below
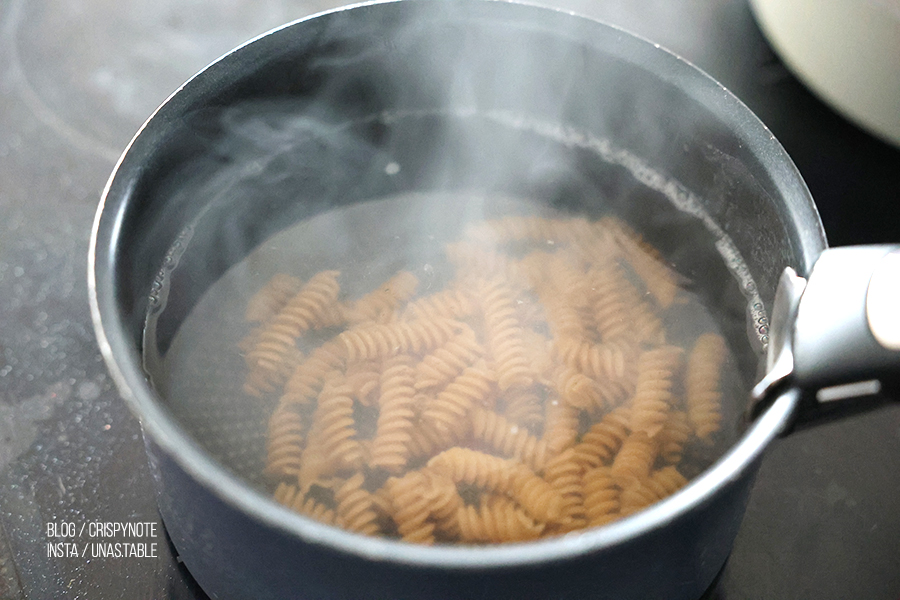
x,y
716,590
180,584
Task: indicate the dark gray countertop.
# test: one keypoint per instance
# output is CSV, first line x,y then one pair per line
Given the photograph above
x,y
77,78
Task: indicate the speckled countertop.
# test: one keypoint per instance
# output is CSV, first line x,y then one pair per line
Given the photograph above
x,y
77,78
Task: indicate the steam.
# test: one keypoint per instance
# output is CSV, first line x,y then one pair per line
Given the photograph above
x,y
375,108
464,113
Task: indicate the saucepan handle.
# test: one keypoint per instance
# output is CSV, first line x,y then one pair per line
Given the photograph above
x,y
836,335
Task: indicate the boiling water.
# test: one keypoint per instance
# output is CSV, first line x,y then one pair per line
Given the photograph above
x,y
195,345
201,373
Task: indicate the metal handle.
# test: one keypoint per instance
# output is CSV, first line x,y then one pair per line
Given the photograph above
x,y
883,301
842,351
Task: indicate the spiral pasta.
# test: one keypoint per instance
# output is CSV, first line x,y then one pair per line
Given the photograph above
x,y
284,447
641,493
534,394
645,323
356,507
674,436
609,303
291,497
603,440
268,361
509,439
578,390
653,395
464,465
421,503
560,426
537,497
667,481
634,459
504,336
390,447
307,379
447,414
496,519
564,474
704,399
448,360
411,507
636,496
331,442
565,319
364,377
271,298
384,340
603,361
661,281
524,408
601,496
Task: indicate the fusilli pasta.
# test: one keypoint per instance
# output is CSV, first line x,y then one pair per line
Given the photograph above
x,y
704,399
534,394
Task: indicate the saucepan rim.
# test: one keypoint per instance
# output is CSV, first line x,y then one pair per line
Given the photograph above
x,y
124,362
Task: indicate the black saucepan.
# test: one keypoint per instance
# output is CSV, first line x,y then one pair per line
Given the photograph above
x,y
392,99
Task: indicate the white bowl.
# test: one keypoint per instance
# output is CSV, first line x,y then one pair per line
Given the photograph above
x,y
845,51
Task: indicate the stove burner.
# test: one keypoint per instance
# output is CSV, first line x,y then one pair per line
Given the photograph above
x,y
96,92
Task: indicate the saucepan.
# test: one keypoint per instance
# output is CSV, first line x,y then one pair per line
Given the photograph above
x,y
381,133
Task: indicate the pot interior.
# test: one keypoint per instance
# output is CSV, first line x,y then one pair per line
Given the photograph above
x,y
364,141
